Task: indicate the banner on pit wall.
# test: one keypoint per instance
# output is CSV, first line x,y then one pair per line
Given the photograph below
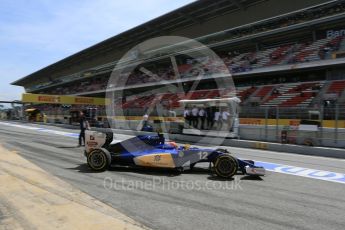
x,y
288,122
60,99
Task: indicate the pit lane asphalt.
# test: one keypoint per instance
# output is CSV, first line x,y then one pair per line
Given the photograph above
x,y
194,200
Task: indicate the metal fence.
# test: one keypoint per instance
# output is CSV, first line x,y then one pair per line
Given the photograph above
x,y
283,125
273,124
334,112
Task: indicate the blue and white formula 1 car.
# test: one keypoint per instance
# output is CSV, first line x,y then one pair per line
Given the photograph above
x,y
152,151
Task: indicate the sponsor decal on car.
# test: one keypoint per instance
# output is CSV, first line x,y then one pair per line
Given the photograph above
x,y
164,160
92,143
156,158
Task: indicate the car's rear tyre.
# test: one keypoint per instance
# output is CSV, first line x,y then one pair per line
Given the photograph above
x,y
98,160
225,166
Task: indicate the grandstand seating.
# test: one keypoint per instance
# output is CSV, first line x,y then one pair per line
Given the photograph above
x,y
303,99
284,21
294,94
284,54
278,55
310,52
263,57
300,94
245,92
264,91
283,95
240,62
279,95
337,87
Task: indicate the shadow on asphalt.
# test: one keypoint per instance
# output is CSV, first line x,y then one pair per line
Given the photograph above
x,y
84,168
217,178
68,147
251,178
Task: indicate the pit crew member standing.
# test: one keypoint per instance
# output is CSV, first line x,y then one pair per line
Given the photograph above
x,y
84,125
226,119
195,117
187,117
210,117
217,120
145,119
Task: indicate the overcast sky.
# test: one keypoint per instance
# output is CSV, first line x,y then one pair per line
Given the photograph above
x,y
36,33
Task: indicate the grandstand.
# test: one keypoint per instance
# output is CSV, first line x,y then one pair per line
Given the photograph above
x,y
280,54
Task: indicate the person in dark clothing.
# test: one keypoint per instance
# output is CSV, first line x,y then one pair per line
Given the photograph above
x,y
84,125
202,116
195,117
210,117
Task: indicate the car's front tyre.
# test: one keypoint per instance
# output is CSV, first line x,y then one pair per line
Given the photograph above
x,y
225,166
98,160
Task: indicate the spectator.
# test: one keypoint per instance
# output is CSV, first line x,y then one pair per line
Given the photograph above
x,y
195,114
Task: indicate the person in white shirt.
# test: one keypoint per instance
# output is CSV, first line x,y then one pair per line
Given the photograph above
x,y
187,116
172,113
225,115
226,118
195,116
217,120
202,115
145,119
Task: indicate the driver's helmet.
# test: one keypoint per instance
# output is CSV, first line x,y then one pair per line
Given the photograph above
x,y
172,144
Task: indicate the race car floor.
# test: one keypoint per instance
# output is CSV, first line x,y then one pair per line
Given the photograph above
x,y
161,199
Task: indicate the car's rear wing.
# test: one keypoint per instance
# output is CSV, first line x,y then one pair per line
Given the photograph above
x,y
94,139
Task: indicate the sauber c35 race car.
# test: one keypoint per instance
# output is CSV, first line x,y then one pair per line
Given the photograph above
x,y
153,151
